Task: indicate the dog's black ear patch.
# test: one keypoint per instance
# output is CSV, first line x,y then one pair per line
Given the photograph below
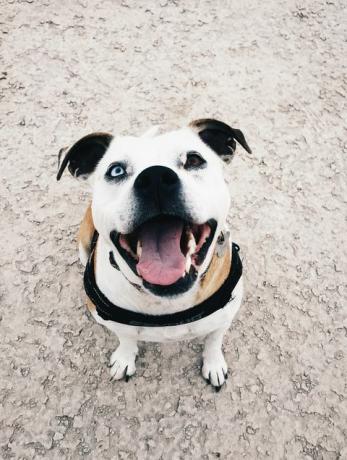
x,y
84,155
220,137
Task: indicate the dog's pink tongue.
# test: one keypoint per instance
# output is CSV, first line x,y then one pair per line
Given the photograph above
x,y
161,261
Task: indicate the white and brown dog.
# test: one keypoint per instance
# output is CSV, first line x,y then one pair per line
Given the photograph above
x,y
160,265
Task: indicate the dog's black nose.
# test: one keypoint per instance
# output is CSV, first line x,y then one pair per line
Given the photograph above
x,y
157,182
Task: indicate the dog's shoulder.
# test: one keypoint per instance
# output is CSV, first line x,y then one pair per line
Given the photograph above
x,y
215,276
85,237
86,230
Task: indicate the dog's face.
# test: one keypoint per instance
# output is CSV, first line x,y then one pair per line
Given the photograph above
x,y
159,200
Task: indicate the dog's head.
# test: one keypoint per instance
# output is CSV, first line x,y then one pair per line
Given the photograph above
x,y
160,201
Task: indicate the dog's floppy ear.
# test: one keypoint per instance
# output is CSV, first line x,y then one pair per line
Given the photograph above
x,y
84,155
220,137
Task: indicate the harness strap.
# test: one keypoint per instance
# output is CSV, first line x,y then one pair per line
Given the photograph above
x,y
111,312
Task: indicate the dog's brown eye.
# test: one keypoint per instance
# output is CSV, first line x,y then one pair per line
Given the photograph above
x,y
194,160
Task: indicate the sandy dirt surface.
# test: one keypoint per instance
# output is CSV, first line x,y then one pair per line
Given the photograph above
x,y
274,69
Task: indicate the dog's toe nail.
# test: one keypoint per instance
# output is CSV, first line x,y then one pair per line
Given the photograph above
x,y
125,374
127,378
218,388
226,376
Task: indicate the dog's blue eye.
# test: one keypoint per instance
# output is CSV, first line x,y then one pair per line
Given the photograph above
x,y
115,171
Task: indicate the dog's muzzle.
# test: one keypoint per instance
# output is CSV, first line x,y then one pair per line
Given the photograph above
x,y
165,247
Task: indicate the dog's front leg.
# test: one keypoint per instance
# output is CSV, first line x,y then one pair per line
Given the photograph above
x,y
122,361
214,368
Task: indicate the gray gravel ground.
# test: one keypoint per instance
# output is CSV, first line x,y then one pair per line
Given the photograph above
x,y
277,70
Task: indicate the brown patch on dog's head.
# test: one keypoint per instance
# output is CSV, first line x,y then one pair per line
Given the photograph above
x,y
83,157
220,137
215,276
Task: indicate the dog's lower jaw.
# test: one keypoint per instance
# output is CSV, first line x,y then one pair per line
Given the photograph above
x,y
123,289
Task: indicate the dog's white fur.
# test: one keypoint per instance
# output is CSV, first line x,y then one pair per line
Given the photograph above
x,y
206,196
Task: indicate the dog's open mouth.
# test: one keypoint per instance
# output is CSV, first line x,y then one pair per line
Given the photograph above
x,y
166,250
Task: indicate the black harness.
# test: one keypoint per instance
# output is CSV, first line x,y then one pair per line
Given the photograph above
x,y
111,312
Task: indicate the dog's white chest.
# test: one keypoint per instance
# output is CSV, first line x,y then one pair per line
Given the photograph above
x,y
220,319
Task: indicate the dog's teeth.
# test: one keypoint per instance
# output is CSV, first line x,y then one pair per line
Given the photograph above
x,y
191,249
188,263
191,244
139,248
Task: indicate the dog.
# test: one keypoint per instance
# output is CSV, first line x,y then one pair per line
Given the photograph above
x,y
160,264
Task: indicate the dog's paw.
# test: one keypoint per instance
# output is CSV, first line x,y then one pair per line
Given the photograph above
x,y
122,365
215,369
